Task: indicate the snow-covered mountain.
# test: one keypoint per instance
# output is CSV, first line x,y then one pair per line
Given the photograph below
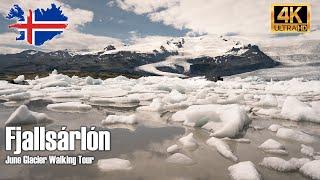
x,y
188,56
298,58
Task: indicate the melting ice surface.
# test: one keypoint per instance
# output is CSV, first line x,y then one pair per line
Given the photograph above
x,y
178,128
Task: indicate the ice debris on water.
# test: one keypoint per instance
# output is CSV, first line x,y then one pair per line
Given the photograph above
x,y
69,107
307,150
19,79
189,142
295,110
311,169
282,165
273,146
223,148
114,164
114,119
230,119
295,135
244,171
173,149
274,127
22,115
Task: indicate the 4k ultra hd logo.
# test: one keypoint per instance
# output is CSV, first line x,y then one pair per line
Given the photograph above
x,y
290,17
40,25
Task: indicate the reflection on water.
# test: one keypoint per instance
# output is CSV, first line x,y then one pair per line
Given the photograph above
x,y
145,146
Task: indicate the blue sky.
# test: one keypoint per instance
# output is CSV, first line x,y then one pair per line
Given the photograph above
x,y
115,22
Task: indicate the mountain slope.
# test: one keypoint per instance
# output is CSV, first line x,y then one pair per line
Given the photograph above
x,y
191,56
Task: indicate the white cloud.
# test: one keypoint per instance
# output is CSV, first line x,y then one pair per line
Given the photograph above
x,y
245,17
75,40
70,39
143,6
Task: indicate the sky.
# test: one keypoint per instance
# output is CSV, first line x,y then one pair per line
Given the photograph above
x,y
97,23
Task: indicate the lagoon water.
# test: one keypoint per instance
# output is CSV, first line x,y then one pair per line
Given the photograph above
x,y
145,146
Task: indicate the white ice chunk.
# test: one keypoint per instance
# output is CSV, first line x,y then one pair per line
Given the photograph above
x,y
114,119
231,118
175,97
276,151
173,149
296,110
282,165
311,169
19,96
23,115
315,105
268,101
189,142
271,144
244,171
71,94
274,127
222,147
240,140
58,83
178,158
10,91
103,92
90,81
54,72
295,135
232,99
268,112
307,150
155,106
69,107
114,164
19,79
96,100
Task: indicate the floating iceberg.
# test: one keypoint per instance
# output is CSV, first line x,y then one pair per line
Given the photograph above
x,y
239,140
274,127
71,94
58,83
189,142
90,81
102,101
173,149
222,147
273,146
231,119
311,169
295,135
10,91
232,99
22,115
307,150
244,171
282,165
19,96
155,106
114,164
114,119
175,97
19,79
296,110
268,101
69,107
